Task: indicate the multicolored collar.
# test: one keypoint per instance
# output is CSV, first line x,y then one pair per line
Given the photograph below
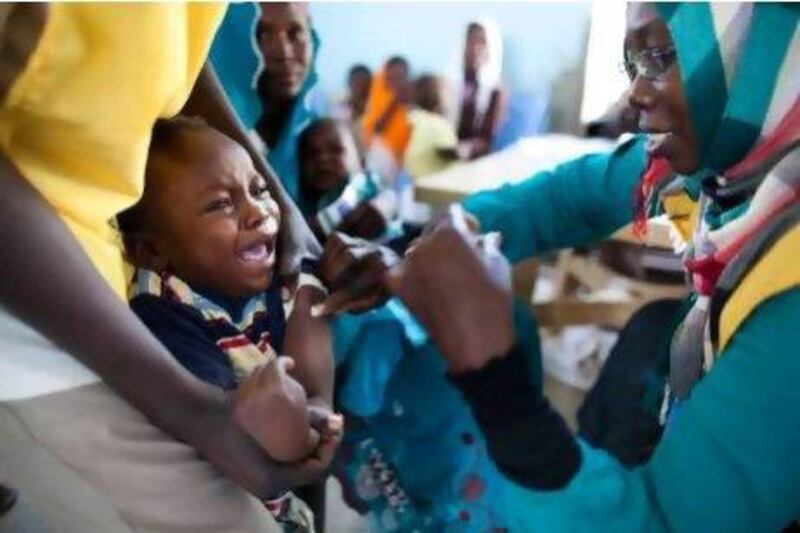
x,y
246,342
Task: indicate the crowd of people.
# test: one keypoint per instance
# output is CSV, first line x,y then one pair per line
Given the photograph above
x,y
211,299
402,127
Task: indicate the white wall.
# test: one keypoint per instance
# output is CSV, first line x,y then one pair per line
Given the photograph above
x,y
542,40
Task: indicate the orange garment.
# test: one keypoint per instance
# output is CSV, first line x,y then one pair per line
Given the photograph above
x,y
397,132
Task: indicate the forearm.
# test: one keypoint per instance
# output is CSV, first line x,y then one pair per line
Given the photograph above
x,y
727,461
527,439
308,340
92,324
578,203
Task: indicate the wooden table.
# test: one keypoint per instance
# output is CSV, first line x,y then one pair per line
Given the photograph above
x,y
511,165
519,162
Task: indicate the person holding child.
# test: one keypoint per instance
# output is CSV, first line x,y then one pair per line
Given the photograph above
x,y
204,240
100,428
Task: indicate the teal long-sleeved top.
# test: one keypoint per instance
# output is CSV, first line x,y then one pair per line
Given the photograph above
x,y
729,461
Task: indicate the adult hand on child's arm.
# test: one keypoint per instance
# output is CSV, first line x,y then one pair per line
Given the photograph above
x,y
354,269
271,407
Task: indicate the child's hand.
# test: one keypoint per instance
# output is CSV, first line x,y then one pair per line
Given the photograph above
x,y
364,221
314,467
270,406
330,425
353,270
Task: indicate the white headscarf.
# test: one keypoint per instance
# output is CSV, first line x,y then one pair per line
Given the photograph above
x,y
488,74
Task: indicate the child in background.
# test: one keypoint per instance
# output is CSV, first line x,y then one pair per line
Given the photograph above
x,y
433,142
350,107
385,121
338,193
203,238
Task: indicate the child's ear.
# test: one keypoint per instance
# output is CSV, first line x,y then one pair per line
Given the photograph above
x,y
141,251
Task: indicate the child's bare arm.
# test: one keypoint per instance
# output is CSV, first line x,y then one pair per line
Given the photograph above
x,y
308,340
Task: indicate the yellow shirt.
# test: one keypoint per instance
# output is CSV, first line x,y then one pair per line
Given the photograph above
x,y
429,132
77,121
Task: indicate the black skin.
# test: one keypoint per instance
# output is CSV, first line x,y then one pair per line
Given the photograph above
x,y
283,34
328,156
358,83
92,323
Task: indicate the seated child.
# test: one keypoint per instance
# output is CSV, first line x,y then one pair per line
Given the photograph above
x,y
337,192
385,127
203,238
433,142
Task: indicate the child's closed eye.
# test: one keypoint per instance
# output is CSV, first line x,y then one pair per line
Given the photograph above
x,y
259,189
220,203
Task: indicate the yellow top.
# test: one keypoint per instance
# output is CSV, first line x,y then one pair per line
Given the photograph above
x,y
774,273
429,132
77,121
683,213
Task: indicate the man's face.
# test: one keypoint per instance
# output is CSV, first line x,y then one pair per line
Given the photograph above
x,y
284,39
212,221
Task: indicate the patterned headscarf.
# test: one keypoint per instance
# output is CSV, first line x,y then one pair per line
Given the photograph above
x,y
740,67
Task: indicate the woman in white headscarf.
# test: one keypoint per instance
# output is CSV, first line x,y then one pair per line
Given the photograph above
x,y
481,97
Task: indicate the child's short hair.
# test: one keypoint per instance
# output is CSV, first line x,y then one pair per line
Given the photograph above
x,y
320,124
428,93
357,69
312,129
164,140
398,61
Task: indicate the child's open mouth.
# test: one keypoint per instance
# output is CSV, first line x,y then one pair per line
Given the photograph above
x,y
258,254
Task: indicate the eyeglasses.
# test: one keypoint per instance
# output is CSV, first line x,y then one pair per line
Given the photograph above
x,y
650,63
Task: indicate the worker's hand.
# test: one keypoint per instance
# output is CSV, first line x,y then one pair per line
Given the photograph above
x,y
353,270
459,286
